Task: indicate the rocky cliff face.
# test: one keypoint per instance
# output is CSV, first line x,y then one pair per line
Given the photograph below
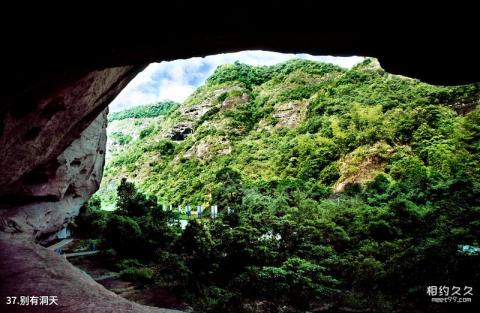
x,y
66,183
52,143
53,156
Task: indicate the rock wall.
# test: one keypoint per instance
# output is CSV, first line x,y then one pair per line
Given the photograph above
x,y
58,82
70,180
52,145
53,155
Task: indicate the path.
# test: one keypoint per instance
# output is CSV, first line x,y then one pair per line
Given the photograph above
x,y
84,253
29,266
60,244
102,269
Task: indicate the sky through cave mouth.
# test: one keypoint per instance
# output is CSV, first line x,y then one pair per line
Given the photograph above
x,y
176,80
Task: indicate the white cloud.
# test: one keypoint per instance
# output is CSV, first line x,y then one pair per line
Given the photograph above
x,y
176,80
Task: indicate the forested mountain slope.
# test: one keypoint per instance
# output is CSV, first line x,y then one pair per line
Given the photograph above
x,y
352,190
313,126
127,126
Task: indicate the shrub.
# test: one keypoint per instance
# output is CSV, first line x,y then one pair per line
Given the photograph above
x,y
123,234
127,263
165,147
143,274
147,131
130,202
92,220
296,281
121,138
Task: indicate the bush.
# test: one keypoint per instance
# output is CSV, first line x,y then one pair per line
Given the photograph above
x,y
330,174
132,203
92,220
121,138
165,147
296,281
147,131
143,274
127,263
124,235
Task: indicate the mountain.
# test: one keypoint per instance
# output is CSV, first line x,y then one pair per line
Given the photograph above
x,y
143,111
314,125
132,124
352,190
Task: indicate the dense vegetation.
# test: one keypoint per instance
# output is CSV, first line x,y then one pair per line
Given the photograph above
x,y
152,110
350,189
121,138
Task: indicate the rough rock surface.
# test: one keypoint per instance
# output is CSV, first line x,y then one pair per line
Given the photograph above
x,y
30,139
70,180
208,148
53,156
231,102
290,114
31,270
196,111
180,131
362,165
52,161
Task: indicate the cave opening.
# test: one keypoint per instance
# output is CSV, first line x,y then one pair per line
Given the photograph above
x,y
233,169
355,192
159,108
255,180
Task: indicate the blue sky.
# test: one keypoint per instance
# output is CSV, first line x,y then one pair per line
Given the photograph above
x,y
176,80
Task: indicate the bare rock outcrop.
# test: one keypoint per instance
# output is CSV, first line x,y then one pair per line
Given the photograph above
x,y
53,156
362,165
231,102
52,143
195,112
180,131
65,183
290,114
207,148
31,270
